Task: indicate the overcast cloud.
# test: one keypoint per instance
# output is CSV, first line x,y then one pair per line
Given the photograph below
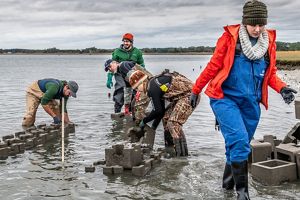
x,y
78,24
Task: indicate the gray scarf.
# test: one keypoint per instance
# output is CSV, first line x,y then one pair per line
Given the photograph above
x,y
259,49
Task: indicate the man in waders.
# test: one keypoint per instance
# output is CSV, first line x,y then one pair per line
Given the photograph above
x,y
47,92
126,52
141,101
174,88
239,73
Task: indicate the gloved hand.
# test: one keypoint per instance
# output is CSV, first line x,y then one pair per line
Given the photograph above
x,y
56,120
109,82
142,125
193,100
287,94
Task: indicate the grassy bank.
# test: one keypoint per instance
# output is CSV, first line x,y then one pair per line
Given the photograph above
x,y
288,60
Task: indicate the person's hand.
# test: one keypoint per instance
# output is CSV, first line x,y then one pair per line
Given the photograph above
x,y
142,124
287,94
193,100
109,82
56,120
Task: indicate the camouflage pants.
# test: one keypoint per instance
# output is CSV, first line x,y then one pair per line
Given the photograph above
x,y
33,100
176,115
141,104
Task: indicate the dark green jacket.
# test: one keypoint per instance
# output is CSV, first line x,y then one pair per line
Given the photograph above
x,y
133,54
52,89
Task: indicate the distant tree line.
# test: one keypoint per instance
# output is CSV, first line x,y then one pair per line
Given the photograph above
x,y
281,46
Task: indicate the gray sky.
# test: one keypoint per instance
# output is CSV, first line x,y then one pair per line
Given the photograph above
x,y
78,24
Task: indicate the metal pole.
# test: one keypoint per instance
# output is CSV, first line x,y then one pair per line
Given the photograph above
x,y
63,130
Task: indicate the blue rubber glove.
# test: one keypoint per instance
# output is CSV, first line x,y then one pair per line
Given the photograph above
x,y
56,120
109,82
287,94
142,125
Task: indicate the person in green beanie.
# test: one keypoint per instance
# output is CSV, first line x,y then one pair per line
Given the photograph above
x,y
238,75
126,52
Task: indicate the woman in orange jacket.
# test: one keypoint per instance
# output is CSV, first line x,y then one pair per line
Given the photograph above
x,y
241,68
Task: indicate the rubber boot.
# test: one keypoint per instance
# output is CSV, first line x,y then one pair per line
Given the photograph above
x,y
228,181
240,175
169,144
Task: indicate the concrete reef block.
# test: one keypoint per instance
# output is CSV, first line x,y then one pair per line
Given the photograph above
x,y
35,133
274,172
71,128
14,149
17,134
126,156
4,152
29,144
116,116
107,170
293,135
26,136
286,152
99,162
89,168
297,109
298,163
149,136
43,138
260,151
41,126
271,139
117,169
21,147
139,170
3,144
7,137
13,141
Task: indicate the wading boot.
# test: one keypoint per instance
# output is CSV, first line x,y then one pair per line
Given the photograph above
x,y
169,144
240,175
228,181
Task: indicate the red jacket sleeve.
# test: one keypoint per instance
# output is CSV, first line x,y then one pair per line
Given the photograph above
x,y
274,81
214,65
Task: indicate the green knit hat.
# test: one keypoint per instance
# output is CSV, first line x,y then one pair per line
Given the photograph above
x,y
255,13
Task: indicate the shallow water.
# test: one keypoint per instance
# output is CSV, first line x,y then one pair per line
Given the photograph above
x,y
38,174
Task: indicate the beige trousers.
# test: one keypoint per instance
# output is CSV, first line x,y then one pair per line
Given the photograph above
x,y
33,100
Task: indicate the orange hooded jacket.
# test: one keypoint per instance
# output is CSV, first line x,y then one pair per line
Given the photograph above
x,y
219,66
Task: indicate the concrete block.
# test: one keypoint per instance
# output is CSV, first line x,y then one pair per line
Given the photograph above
x,y
270,139
286,152
13,141
43,138
298,164
117,169
149,136
148,165
30,129
260,151
54,132
49,128
71,128
297,109
17,134
8,137
14,149
127,157
274,172
26,136
139,170
107,170
4,152
3,144
41,126
89,168
21,147
116,116
293,135
29,144
99,162
35,133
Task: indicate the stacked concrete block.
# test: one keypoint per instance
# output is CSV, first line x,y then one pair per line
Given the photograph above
x,y
293,135
260,151
127,155
297,109
287,152
274,172
31,137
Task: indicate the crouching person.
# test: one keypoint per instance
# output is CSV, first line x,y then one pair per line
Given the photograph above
x,y
176,89
47,92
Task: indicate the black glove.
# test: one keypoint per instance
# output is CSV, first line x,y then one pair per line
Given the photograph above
x,y
56,120
193,100
287,94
